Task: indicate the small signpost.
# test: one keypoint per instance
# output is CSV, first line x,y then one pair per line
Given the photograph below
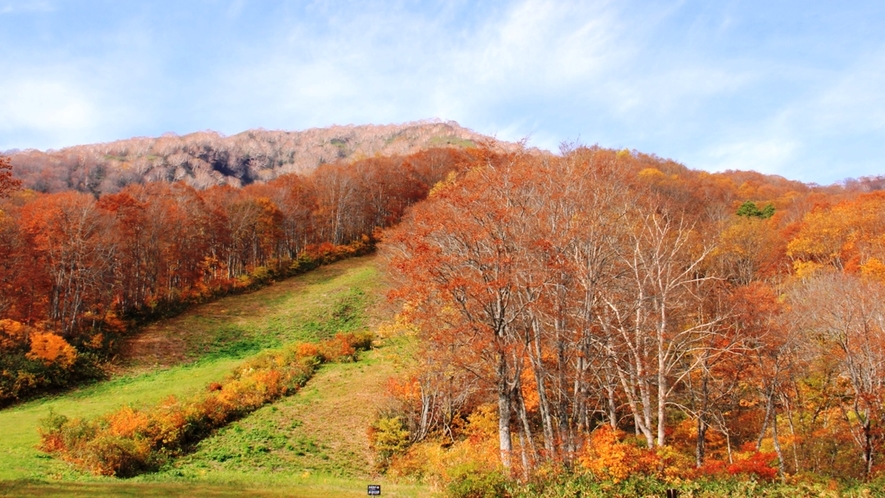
x,y
374,490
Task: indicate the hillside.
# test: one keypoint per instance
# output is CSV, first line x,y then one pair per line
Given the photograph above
x,y
313,443
208,158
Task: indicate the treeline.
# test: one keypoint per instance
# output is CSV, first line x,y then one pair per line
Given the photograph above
x,y
76,269
621,315
208,158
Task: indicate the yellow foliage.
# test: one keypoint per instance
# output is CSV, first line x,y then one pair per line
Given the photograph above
x,y
96,341
451,180
52,349
400,326
652,174
114,324
482,424
804,269
873,268
436,465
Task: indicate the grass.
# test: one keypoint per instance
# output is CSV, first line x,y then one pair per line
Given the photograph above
x,y
310,444
313,440
310,307
300,486
296,432
20,459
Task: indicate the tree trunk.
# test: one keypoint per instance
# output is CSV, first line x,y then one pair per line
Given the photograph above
x,y
504,407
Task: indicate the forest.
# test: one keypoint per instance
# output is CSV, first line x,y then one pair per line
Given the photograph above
x,y
591,316
80,270
614,314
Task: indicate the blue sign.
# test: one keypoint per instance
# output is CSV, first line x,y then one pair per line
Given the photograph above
x,y
374,490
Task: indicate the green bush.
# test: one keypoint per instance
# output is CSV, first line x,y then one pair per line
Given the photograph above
x,y
388,437
469,481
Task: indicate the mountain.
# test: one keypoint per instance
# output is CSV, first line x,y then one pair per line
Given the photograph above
x,y
209,158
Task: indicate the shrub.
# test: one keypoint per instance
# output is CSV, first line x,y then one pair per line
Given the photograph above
x,y
758,464
119,456
388,437
472,482
129,441
609,457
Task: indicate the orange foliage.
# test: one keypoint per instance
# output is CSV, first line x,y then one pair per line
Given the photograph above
x,y
52,349
609,457
845,236
126,422
128,441
308,349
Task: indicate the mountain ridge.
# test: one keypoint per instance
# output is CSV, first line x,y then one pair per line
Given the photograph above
x,y
206,158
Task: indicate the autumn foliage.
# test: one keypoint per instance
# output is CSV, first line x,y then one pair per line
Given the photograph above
x,y
7,182
131,441
81,269
732,324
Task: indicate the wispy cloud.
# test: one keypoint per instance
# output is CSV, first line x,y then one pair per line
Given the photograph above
x,y
718,86
24,6
854,99
51,107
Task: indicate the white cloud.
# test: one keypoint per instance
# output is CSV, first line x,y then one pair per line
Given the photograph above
x,y
398,65
807,137
51,107
544,44
15,7
679,79
766,155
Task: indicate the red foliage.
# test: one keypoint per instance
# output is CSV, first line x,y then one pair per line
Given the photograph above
x,y
759,464
7,182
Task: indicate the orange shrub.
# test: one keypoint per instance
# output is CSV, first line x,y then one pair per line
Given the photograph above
x,y
127,441
307,350
127,422
110,455
52,349
168,423
337,349
608,457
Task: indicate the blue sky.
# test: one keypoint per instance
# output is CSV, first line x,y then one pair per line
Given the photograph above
x,y
794,88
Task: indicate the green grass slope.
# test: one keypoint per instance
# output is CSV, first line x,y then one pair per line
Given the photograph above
x,y
310,444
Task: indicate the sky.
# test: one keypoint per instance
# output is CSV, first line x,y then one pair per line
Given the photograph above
x,y
793,88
